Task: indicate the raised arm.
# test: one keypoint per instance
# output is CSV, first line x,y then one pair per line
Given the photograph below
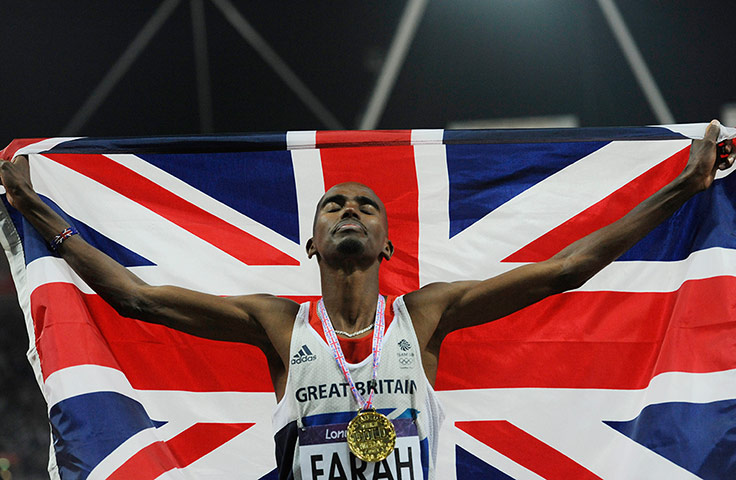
x,y
441,308
260,320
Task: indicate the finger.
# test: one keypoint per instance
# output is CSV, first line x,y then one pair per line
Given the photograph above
x,y
726,163
724,150
727,145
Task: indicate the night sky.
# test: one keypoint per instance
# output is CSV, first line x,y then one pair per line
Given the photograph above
x,y
470,59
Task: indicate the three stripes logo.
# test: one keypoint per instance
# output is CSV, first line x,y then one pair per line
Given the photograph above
x,y
303,355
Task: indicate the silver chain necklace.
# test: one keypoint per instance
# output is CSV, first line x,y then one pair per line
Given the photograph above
x,y
355,334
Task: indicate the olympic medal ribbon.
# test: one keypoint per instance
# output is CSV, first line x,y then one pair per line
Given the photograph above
x,y
376,347
370,435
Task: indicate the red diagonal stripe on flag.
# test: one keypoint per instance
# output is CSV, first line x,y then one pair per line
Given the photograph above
x,y
210,228
526,450
179,452
604,212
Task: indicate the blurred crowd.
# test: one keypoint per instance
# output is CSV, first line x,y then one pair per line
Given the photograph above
x,y
24,427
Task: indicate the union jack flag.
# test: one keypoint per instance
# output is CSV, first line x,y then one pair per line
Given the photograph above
x,y
631,376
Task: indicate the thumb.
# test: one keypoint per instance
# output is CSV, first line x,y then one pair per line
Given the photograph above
x,y
712,131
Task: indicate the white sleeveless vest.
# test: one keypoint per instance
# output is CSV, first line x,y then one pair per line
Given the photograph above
x,y
310,419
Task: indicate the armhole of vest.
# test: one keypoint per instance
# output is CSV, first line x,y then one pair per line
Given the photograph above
x,y
396,303
401,310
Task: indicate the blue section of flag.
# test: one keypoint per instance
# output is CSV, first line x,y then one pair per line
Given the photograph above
x,y
484,177
175,144
36,247
556,135
699,437
470,467
87,428
705,221
259,185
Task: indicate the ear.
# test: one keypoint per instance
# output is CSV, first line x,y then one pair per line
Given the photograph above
x,y
388,250
311,250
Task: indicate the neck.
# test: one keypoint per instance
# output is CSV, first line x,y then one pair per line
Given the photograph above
x,y
350,296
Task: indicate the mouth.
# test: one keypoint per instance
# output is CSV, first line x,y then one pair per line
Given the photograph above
x,y
349,226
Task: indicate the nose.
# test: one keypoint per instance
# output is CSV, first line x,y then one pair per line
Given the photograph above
x,y
350,209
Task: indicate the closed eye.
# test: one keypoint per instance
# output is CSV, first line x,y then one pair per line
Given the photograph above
x,y
367,205
333,203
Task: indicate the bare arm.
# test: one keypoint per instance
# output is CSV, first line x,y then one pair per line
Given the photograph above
x,y
241,319
441,308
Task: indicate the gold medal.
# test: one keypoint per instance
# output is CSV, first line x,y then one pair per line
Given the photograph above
x,y
371,436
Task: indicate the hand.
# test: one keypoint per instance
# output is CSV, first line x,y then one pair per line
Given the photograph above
x,y
707,157
16,178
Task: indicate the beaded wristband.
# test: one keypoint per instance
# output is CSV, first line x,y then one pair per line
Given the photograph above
x,y
59,239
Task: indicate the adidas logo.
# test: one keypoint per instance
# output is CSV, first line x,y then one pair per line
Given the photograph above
x,y
303,355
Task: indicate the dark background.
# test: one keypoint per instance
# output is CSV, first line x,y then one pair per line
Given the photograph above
x,y
469,60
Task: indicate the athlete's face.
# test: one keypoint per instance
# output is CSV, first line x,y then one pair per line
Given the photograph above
x,y
350,221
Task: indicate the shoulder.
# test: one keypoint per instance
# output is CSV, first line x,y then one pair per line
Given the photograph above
x,y
434,296
273,315
275,318
266,307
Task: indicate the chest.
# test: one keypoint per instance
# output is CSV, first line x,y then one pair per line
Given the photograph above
x,y
318,384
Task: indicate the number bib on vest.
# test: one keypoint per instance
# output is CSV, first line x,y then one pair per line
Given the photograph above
x,y
324,454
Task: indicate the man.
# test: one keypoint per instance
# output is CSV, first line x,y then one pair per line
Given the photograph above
x,y
350,240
